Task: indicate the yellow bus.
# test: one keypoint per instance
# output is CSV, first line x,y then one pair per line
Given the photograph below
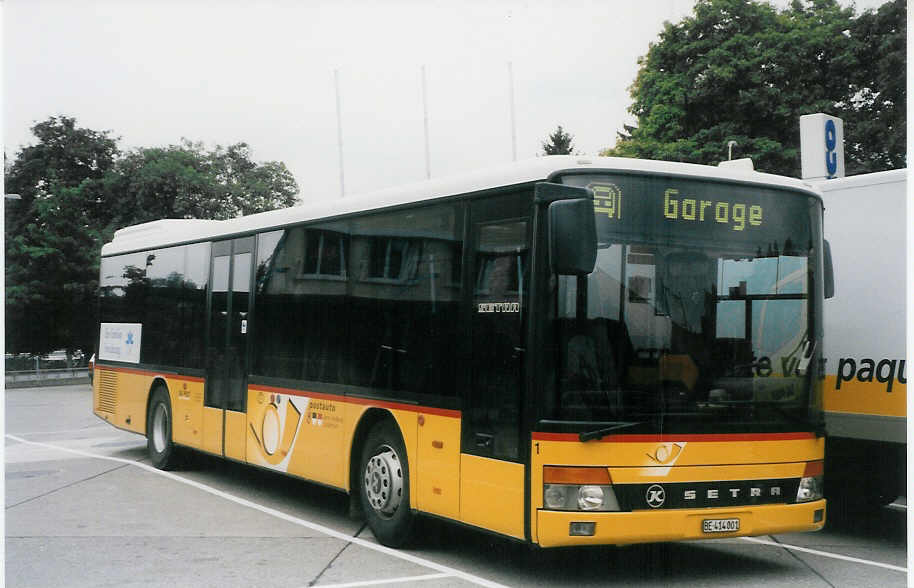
x,y
563,351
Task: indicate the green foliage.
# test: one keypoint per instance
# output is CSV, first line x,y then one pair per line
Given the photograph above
x,y
77,188
746,72
558,143
52,238
876,117
187,181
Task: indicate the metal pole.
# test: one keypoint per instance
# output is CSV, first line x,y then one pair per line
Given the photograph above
x,y
511,99
428,165
339,129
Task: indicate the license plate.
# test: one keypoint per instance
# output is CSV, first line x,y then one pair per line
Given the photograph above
x,y
720,525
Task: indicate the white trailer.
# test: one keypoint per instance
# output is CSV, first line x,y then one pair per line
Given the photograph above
x,y
866,375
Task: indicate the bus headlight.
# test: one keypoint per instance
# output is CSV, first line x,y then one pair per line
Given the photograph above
x,y
579,498
811,488
555,496
811,484
578,489
590,497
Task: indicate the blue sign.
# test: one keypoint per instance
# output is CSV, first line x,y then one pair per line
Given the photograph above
x,y
831,141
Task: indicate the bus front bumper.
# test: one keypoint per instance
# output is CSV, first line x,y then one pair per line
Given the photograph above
x,y
554,528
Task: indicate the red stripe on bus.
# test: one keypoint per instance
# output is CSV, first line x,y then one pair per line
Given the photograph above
x,y
304,393
673,438
357,400
140,372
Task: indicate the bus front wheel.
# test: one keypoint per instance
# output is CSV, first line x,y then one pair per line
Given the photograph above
x,y
159,444
384,485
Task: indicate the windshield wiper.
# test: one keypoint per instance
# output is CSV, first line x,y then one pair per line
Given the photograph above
x,y
600,433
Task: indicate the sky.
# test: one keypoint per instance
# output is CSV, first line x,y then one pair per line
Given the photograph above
x,y
266,73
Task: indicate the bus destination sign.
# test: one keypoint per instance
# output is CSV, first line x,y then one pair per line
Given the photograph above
x,y
727,212
652,208
683,207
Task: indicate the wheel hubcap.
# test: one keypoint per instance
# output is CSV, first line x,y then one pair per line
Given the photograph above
x,y
159,427
384,481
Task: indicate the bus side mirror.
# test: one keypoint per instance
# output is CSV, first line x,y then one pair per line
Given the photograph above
x,y
829,272
572,237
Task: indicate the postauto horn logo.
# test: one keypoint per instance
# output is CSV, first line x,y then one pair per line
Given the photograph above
x,y
667,453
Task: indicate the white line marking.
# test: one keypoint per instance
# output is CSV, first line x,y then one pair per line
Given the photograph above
x,y
83,430
390,581
280,515
899,506
827,554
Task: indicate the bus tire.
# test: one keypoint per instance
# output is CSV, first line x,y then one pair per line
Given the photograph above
x,y
384,485
159,444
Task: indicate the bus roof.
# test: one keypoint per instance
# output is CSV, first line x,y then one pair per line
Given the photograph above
x,y
167,232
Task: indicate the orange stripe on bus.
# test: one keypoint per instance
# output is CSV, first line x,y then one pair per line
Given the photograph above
x,y
140,372
358,400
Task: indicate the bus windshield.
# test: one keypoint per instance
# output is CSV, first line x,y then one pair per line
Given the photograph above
x,y
697,317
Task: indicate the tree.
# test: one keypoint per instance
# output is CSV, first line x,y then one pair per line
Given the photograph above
x,y
745,71
558,143
876,116
187,181
77,188
52,240
64,157
252,187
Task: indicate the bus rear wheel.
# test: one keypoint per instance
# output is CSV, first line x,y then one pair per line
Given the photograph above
x,y
384,485
159,445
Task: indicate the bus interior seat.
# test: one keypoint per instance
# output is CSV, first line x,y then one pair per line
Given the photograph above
x,y
598,354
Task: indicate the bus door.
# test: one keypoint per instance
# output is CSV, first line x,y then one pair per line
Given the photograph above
x,y
224,418
492,455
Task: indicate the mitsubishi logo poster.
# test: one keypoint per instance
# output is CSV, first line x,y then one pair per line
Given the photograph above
x,y
120,342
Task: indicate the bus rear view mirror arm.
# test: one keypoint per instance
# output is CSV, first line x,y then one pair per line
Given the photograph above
x,y
829,271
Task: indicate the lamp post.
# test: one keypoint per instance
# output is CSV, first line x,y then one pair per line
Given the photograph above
x,y
7,199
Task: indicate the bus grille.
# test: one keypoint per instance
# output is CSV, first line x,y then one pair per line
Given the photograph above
x,y
107,391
